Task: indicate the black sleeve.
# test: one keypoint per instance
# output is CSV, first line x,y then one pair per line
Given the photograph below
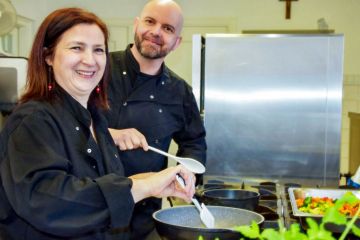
x,y
191,139
41,188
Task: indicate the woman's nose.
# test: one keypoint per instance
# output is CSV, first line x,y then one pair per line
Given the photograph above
x,y
88,58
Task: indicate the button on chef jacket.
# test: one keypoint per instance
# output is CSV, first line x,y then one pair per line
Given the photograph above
x,y
162,108
57,179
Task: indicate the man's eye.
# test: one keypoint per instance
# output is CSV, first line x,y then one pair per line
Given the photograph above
x,y
148,21
169,29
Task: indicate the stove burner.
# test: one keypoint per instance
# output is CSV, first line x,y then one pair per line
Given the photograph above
x,y
267,184
267,190
273,204
266,193
267,212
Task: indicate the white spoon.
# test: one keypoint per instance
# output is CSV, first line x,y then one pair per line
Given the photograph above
x,y
191,164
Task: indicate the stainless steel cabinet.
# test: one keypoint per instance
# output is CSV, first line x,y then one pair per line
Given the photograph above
x,y
272,105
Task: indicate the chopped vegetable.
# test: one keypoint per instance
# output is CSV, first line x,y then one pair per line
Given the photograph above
x,y
319,205
315,231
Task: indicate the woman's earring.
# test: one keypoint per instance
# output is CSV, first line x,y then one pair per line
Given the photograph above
x,y
98,89
50,82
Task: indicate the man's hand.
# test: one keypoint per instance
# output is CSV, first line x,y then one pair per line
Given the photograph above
x,y
128,139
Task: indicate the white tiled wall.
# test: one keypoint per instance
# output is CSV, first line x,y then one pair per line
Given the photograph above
x,y
351,103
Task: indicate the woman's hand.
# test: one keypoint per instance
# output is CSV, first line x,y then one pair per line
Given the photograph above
x,y
128,139
164,184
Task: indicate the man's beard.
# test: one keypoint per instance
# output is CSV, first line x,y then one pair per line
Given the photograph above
x,y
149,52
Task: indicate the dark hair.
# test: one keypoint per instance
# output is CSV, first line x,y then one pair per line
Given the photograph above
x,y
46,39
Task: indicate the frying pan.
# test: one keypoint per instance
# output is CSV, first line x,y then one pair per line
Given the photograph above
x,y
183,222
237,198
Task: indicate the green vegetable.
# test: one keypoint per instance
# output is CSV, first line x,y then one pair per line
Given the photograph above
x,y
307,201
315,231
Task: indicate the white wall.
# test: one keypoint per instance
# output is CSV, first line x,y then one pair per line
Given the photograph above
x,y
342,15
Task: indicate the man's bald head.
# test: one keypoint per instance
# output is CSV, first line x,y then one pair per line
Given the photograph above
x,y
168,8
157,30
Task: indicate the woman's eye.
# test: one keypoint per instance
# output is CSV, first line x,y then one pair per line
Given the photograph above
x,y
99,50
76,48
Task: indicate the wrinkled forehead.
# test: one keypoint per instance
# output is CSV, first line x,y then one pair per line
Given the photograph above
x,y
164,13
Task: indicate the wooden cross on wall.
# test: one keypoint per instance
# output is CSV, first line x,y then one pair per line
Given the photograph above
x,y
287,7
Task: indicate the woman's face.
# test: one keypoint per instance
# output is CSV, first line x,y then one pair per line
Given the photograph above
x,y
79,60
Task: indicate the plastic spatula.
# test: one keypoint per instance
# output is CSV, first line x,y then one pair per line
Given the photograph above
x,y
189,163
205,215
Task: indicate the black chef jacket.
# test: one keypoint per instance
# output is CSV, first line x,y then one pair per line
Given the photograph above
x,y
162,108
57,182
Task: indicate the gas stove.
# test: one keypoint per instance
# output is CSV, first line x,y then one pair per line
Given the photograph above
x,y
273,204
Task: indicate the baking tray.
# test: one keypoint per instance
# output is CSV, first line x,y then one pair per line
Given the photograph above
x,y
296,193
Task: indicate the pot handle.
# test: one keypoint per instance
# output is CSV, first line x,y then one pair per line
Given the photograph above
x,y
170,201
181,181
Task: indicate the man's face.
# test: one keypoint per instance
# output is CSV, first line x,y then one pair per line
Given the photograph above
x,y
157,31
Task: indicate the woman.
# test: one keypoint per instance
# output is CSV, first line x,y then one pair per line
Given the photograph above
x,y
60,173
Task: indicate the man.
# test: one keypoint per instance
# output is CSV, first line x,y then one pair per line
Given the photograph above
x,y
151,104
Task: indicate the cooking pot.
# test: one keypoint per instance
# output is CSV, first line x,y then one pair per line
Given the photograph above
x,y
237,198
183,222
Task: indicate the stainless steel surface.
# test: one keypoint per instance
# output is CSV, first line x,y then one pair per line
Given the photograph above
x,y
196,67
273,106
12,78
12,81
296,193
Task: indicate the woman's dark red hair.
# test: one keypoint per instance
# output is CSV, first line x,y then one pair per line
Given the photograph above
x,y
46,39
